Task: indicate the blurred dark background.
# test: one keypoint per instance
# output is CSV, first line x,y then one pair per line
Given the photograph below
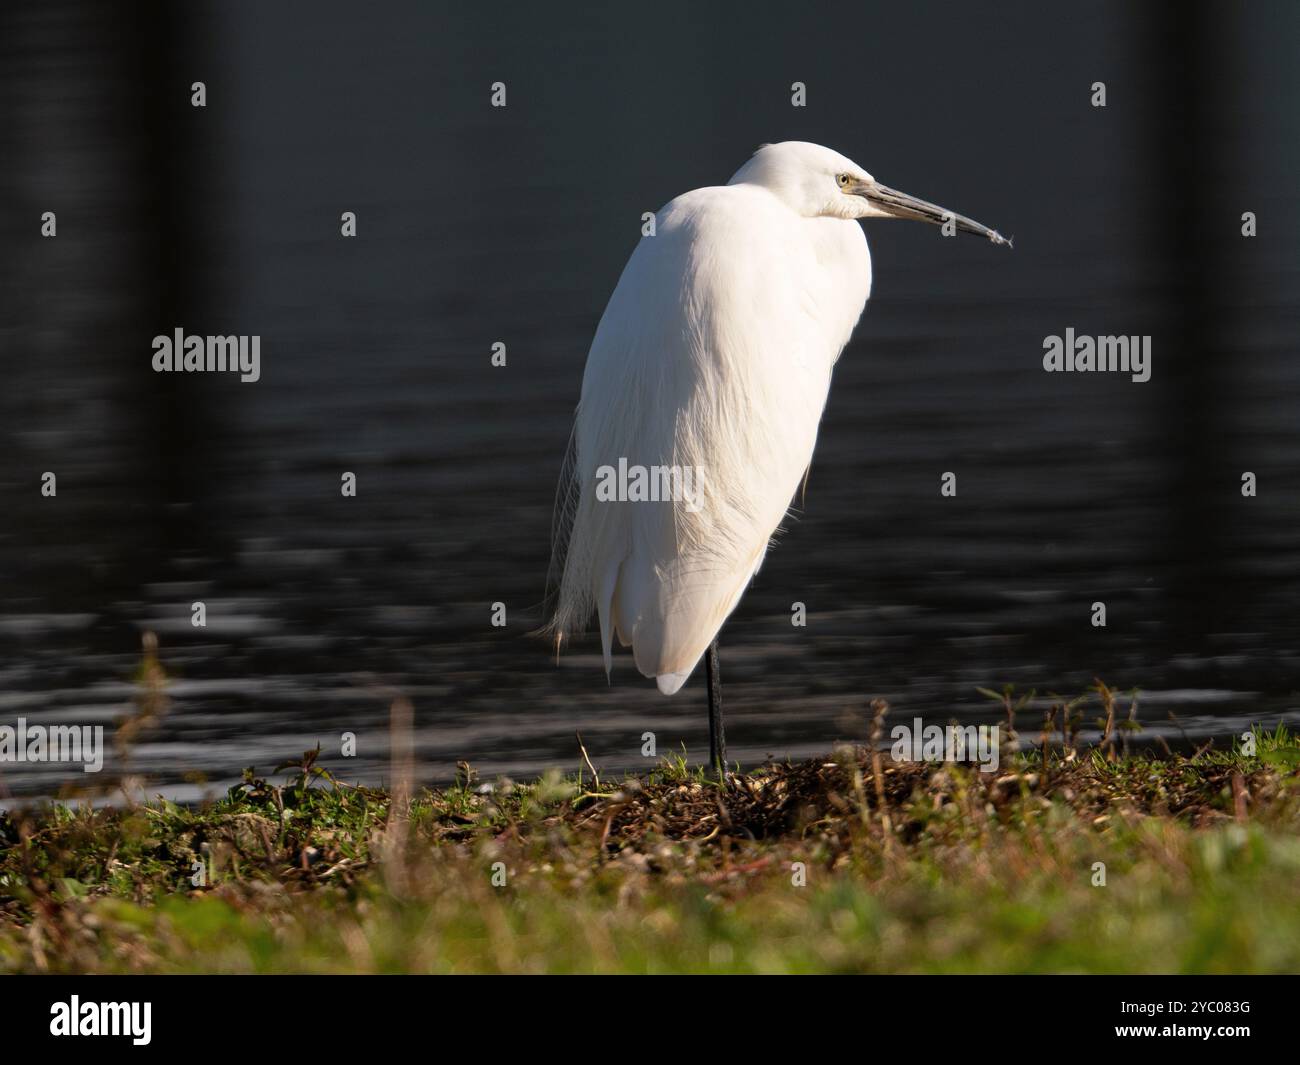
x,y
478,225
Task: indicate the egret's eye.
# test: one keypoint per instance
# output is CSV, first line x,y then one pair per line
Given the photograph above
x,y
842,180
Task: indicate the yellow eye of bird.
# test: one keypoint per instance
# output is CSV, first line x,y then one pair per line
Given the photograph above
x,y
843,179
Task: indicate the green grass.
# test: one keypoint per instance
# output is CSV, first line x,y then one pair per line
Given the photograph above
x,y
905,868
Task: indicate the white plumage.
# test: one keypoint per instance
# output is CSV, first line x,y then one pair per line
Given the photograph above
x,y
714,355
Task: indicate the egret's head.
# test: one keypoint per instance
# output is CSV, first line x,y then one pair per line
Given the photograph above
x,y
819,183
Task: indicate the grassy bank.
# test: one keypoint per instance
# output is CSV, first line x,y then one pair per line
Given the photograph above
x,y
855,863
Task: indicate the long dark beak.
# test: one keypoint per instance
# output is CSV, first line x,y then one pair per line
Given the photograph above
x,y
900,205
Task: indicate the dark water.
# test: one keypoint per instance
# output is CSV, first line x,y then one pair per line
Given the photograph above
x,y
479,225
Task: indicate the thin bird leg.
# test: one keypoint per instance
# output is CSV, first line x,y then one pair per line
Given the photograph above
x,y
717,740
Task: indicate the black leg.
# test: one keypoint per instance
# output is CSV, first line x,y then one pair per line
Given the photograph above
x,y
717,740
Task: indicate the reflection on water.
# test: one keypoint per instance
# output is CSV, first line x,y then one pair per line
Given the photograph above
x,y
477,226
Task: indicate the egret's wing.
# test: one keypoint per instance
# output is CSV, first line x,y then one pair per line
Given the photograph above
x,y
712,361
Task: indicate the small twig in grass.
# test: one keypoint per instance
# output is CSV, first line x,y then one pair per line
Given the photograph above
x,y
1132,718
1108,704
1179,725
1239,796
879,709
586,758
401,763
278,798
1049,725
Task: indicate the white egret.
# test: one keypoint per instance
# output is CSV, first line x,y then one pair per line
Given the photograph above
x,y
701,399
